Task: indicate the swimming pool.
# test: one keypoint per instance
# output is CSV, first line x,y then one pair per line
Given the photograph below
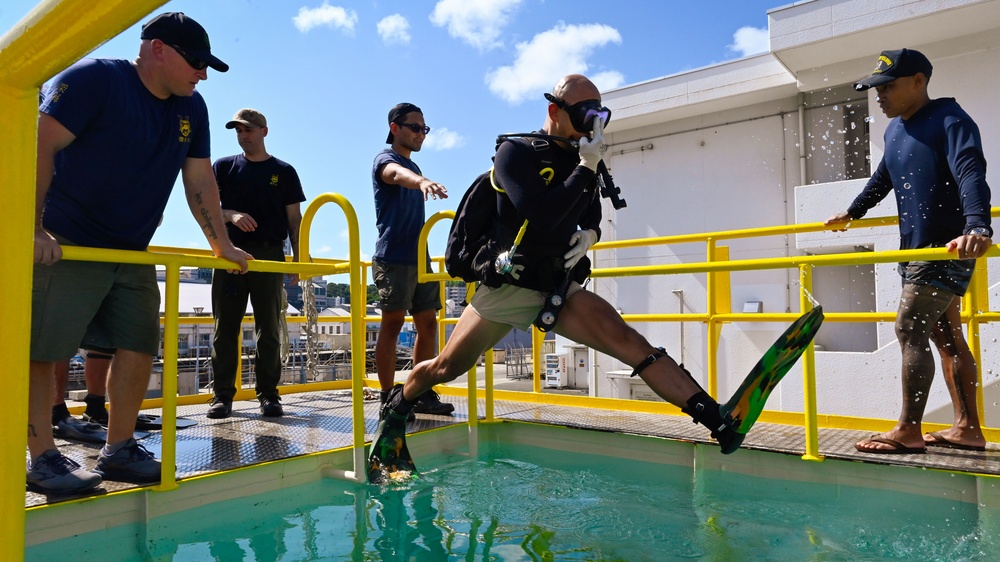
x,y
544,493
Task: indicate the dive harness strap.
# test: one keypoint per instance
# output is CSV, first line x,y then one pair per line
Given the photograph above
x,y
658,354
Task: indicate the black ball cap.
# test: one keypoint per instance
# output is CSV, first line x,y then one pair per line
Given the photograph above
x,y
177,29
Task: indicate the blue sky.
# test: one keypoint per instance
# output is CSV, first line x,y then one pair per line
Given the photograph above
x,y
325,73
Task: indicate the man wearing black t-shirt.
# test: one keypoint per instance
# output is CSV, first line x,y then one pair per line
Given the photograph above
x,y
260,197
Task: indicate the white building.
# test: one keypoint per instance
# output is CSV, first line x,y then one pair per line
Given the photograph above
x,y
783,138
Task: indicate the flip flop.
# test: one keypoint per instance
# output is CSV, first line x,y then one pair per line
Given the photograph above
x,y
942,441
897,447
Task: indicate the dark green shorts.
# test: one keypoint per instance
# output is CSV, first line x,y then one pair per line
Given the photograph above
x,y
953,276
93,305
398,288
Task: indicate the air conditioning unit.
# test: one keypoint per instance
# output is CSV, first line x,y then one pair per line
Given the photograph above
x,y
556,370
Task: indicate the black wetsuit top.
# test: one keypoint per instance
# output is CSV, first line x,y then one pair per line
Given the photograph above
x,y
568,202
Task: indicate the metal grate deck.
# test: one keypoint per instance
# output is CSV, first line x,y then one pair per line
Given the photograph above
x,y
319,421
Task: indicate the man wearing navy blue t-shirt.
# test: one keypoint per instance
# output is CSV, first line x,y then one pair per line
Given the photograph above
x,y
934,164
400,193
260,197
112,137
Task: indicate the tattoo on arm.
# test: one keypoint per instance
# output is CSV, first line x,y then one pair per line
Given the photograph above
x,y
207,226
31,431
197,198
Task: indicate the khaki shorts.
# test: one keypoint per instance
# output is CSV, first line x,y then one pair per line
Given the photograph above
x,y
398,288
93,305
515,306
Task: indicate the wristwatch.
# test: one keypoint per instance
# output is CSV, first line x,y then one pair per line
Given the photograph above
x,y
980,231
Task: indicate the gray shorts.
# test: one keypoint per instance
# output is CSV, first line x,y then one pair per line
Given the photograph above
x,y
515,306
949,275
93,305
398,288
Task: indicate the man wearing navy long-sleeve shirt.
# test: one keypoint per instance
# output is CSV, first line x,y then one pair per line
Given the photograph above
x,y
934,164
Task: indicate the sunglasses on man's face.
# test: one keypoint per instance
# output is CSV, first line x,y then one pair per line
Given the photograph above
x,y
194,62
416,128
582,113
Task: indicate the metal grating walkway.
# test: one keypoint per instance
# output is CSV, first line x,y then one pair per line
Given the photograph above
x,y
319,421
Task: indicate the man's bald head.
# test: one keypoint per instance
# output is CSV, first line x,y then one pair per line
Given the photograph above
x,y
574,88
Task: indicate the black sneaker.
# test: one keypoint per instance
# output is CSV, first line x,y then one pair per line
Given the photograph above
x,y
430,403
219,409
132,463
270,407
382,396
54,473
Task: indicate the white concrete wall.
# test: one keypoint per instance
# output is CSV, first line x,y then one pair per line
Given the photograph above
x,y
724,171
732,162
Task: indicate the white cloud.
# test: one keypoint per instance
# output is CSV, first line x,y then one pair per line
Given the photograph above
x,y
549,56
330,16
477,22
750,41
443,139
394,29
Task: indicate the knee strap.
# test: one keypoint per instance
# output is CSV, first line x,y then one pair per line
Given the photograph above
x,y
658,354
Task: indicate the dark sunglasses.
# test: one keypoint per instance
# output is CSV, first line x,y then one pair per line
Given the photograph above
x,y
416,128
195,63
582,113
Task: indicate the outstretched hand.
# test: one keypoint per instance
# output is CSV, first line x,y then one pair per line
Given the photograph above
x,y
433,189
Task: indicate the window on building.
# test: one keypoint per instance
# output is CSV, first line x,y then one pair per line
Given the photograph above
x,y
247,335
836,135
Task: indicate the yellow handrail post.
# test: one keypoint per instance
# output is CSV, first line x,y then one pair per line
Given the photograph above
x,y
168,386
977,300
537,337
489,384
809,372
358,313
717,289
17,159
711,361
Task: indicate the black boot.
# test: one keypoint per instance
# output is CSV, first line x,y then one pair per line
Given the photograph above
x,y
383,397
389,455
705,410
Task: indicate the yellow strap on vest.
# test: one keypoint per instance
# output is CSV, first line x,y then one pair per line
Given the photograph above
x,y
546,173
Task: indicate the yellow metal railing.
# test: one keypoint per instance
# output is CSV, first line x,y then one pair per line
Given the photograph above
x,y
975,304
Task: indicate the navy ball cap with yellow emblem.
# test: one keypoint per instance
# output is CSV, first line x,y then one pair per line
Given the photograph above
x,y
896,64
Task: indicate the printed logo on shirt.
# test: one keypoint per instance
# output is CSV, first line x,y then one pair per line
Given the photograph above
x,y
58,91
185,129
883,64
274,180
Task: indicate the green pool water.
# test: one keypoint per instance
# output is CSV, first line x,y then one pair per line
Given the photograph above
x,y
529,503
